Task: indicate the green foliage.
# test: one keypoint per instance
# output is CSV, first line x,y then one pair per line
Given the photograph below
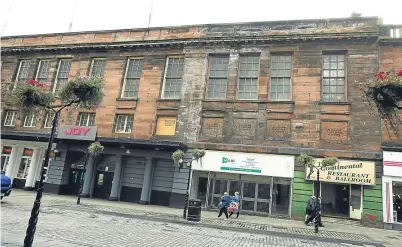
x,y
304,159
85,92
176,156
329,161
197,154
95,149
30,97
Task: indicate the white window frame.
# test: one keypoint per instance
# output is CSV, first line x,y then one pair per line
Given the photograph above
x,y
164,75
88,116
276,77
32,123
45,126
39,66
92,64
57,73
19,70
125,123
13,119
125,76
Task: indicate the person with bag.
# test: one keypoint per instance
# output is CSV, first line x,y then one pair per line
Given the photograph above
x,y
234,206
224,204
310,209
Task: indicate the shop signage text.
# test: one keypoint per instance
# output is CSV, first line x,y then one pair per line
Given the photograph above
x,y
27,152
345,172
246,163
7,150
77,133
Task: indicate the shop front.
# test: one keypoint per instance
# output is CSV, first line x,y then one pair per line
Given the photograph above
x,y
264,181
392,190
22,156
342,187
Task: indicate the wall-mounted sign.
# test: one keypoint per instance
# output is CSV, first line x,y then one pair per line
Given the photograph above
x,y
85,133
392,164
345,172
246,163
27,152
7,150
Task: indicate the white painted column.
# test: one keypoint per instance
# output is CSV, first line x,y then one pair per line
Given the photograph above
x,y
35,162
114,193
13,162
38,169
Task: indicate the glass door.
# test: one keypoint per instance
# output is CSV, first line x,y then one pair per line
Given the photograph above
x,y
24,167
263,198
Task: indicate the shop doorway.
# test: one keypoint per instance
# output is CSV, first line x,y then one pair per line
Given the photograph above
x,y
103,184
76,176
335,199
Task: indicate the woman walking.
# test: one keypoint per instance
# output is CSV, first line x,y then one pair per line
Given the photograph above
x,y
235,206
224,204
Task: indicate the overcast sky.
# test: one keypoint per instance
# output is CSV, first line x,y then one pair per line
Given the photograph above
x,y
18,17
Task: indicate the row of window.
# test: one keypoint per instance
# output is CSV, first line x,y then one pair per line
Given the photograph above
x,y
123,122
333,76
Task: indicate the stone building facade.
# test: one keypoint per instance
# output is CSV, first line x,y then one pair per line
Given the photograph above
x,y
253,95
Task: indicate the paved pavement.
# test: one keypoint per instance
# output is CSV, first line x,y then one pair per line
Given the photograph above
x,y
103,223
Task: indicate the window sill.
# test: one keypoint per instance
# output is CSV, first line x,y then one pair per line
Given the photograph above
x,y
334,103
126,99
169,100
281,102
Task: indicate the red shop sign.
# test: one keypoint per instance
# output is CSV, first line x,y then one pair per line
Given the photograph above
x,y
7,150
77,131
27,152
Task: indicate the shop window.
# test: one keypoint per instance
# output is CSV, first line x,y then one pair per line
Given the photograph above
x,y
280,196
4,162
166,126
10,118
397,201
24,167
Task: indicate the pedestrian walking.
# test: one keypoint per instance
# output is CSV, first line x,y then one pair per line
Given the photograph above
x,y
309,209
315,206
235,205
224,204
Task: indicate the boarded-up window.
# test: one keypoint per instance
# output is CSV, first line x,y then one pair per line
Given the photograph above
x,y
218,77
280,77
166,126
132,78
248,77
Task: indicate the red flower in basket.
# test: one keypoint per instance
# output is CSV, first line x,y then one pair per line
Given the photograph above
x,y
32,82
40,85
380,75
399,73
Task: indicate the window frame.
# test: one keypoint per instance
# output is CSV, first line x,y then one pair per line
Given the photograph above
x,y
125,123
47,119
13,121
92,65
38,69
57,73
165,72
211,56
88,114
290,81
33,121
19,70
125,77
345,85
239,78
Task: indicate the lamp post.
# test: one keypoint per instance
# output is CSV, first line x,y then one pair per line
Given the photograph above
x,y
33,220
317,205
189,165
82,178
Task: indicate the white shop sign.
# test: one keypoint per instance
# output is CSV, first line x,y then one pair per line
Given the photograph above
x,y
392,164
246,163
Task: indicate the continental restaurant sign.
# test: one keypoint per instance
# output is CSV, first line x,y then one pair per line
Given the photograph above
x,y
345,172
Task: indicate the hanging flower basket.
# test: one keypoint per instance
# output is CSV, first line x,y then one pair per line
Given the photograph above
x,y
304,159
177,156
95,148
30,97
385,91
197,154
329,161
86,92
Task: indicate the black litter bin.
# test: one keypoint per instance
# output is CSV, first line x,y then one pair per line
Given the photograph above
x,y
194,210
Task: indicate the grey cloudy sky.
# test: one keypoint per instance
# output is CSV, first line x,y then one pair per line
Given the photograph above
x,y
18,17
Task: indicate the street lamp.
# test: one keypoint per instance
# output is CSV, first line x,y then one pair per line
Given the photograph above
x,y
189,164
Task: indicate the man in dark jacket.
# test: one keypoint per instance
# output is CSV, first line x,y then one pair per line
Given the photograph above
x,y
314,210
